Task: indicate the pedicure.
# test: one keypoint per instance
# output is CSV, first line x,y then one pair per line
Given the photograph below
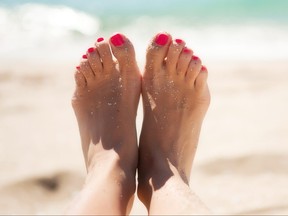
x,y
117,40
178,41
161,39
91,49
100,39
84,56
195,58
203,68
187,50
78,67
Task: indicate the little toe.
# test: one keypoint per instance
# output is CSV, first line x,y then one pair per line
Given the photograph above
x,y
85,68
104,51
201,79
173,54
94,60
183,61
124,52
157,51
193,69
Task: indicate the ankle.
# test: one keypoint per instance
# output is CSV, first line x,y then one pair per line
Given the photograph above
x,y
153,177
109,164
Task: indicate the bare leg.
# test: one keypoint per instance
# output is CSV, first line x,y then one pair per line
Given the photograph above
x,y
105,103
175,99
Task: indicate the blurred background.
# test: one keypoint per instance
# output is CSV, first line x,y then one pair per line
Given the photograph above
x,y
222,28
242,162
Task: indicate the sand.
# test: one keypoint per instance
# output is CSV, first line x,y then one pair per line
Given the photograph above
x,y
242,162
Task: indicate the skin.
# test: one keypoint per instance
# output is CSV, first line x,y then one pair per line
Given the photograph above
x,y
175,98
105,103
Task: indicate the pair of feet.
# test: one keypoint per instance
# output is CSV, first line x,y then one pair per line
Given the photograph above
x,y
175,99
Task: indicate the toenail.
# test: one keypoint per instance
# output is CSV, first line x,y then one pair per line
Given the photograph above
x,y
203,68
179,41
195,58
117,40
78,67
100,39
91,49
84,56
161,39
187,50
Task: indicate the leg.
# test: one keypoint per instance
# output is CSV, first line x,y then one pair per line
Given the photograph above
x,y
175,99
105,103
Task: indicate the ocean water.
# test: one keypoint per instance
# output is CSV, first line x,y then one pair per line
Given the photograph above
x,y
216,29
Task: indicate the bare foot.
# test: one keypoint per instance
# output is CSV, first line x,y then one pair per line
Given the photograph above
x,y
175,99
105,103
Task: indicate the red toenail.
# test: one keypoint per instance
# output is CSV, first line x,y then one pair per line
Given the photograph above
x,y
100,39
117,40
91,49
84,56
78,67
161,39
187,50
179,41
203,68
195,58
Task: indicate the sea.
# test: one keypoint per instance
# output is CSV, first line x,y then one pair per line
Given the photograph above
x,y
214,29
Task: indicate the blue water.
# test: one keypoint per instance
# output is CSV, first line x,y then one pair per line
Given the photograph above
x,y
191,10
237,28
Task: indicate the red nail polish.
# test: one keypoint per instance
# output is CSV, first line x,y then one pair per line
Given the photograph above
x,y
187,50
84,56
78,67
117,40
161,39
203,68
179,41
91,49
195,58
100,39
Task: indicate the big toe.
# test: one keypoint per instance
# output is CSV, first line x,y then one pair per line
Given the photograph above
x,y
124,52
157,51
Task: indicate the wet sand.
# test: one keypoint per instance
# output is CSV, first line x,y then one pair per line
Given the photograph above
x,y
242,162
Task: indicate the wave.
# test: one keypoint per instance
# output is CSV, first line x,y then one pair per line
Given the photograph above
x,y
49,26
43,21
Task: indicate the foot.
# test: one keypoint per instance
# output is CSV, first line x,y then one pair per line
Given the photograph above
x,y
105,103
175,99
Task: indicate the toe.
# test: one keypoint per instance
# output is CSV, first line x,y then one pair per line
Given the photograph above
x,y
105,53
157,51
201,79
79,78
94,60
124,52
193,69
173,54
183,61
87,71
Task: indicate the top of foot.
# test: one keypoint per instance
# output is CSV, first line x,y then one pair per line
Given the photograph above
x,y
106,99
176,98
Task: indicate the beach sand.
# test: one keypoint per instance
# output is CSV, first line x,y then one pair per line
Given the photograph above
x,y
242,162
